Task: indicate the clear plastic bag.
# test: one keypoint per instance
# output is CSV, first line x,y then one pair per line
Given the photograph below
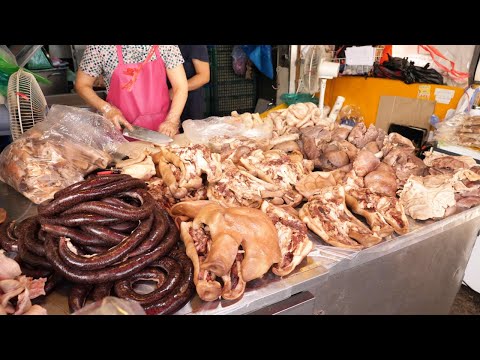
x,y
245,125
461,129
350,115
111,305
58,152
81,126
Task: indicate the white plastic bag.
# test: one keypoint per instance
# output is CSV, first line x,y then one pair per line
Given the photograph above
x,y
247,125
452,61
111,305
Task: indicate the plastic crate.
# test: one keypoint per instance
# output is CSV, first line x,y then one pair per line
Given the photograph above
x,y
226,73
225,105
208,100
228,91
221,56
234,89
224,58
223,48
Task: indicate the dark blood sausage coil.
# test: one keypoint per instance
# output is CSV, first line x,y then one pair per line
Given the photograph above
x,y
113,255
104,235
30,239
118,202
116,272
156,235
109,210
8,240
131,213
41,236
101,290
92,183
71,199
169,241
124,288
76,236
35,273
125,227
78,296
90,250
33,259
184,291
79,220
52,281
24,231
30,250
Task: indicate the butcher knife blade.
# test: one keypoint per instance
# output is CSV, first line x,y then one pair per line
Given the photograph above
x,y
140,133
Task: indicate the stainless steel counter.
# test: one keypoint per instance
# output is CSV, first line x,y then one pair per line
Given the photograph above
x,y
417,273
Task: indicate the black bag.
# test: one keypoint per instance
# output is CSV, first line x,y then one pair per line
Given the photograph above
x,y
393,68
396,63
402,69
426,75
381,71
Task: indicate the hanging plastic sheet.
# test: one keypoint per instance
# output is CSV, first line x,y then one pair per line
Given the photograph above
x,y
261,56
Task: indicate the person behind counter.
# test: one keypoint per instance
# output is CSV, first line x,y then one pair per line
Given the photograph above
x,y
136,80
197,68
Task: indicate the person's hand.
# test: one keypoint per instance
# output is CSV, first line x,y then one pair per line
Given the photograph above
x,y
169,127
114,115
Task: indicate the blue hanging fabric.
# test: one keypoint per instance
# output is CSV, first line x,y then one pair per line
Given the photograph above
x,y
261,56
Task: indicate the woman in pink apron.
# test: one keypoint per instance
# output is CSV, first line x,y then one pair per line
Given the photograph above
x,y
136,79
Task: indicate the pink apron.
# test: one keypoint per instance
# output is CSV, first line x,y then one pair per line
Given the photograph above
x,y
140,91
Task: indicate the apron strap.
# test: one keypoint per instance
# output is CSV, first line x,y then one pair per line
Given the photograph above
x,y
136,71
157,52
119,54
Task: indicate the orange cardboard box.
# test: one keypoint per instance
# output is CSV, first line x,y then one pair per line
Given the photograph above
x,y
366,93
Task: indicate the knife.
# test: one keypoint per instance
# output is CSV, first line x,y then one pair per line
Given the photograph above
x,y
140,133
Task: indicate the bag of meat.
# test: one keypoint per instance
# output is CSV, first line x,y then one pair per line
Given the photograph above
x,y
58,152
237,125
461,129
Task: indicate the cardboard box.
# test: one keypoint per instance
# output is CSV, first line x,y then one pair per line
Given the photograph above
x,y
404,111
366,92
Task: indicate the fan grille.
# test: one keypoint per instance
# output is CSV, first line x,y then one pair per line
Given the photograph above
x,y
313,58
26,102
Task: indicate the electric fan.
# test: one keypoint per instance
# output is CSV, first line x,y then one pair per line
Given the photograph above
x,y
26,102
316,70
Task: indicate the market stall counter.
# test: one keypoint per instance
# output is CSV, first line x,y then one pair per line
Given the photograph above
x,y
287,214
416,273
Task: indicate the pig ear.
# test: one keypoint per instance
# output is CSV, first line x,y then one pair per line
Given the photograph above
x,y
190,248
189,209
223,251
179,219
229,293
